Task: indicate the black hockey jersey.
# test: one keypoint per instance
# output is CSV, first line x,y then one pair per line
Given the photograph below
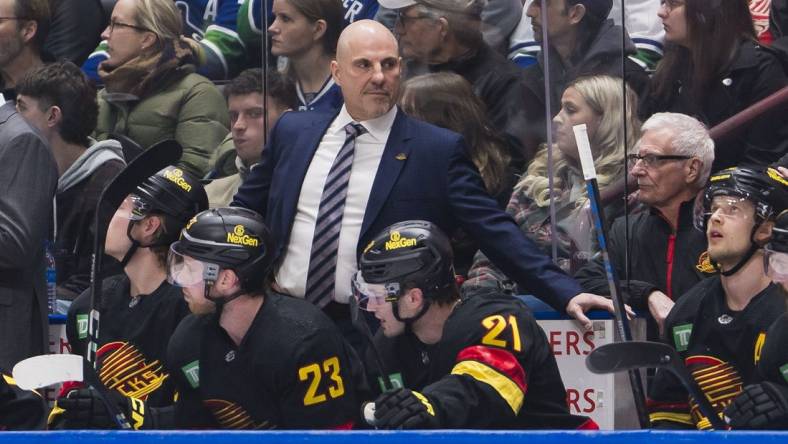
x,y
720,347
492,368
773,365
133,336
293,370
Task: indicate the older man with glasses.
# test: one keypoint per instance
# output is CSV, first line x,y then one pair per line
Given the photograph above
x,y
666,255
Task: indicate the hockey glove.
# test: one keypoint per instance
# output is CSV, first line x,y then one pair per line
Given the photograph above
x,y
759,406
84,409
405,409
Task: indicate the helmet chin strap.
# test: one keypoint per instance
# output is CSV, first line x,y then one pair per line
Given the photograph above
x,y
409,321
132,249
747,256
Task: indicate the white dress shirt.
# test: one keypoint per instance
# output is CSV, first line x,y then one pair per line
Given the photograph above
x,y
292,272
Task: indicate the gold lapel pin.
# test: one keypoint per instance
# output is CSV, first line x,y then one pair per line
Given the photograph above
x,y
401,156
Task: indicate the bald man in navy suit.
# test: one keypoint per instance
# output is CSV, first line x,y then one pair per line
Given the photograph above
x,y
403,169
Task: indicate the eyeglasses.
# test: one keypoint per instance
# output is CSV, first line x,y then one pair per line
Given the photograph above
x,y
652,160
405,19
670,5
115,24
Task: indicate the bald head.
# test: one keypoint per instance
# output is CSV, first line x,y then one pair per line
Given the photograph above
x,y
368,32
367,69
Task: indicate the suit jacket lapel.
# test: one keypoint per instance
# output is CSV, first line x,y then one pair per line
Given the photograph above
x,y
303,149
395,155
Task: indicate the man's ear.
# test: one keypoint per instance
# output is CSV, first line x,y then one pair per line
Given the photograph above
x,y
227,281
54,116
576,13
335,72
444,27
148,227
764,232
692,171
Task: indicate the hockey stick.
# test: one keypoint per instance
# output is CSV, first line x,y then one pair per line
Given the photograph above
x,y
622,323
45,370
361,325
620,356
143,166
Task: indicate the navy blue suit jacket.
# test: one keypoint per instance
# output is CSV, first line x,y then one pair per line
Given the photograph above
x,y
424,174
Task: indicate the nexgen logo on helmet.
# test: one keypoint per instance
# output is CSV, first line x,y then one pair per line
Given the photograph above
x,y
238,237
176,176
397,241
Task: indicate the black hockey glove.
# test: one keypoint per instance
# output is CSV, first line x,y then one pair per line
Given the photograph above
x,y
759,406
405,409
84,409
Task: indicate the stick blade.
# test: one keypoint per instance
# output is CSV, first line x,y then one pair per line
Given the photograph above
x,y
623,356
43,370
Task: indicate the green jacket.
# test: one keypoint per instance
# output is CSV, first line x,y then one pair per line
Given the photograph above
x,y
190,110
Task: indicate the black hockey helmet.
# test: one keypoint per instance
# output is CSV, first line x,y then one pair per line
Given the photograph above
x,y
222,238
410,254
766,189
173,192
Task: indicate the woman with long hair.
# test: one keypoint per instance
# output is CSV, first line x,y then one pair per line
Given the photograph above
x,y
598,102
713,68
306,33
151,90
447,100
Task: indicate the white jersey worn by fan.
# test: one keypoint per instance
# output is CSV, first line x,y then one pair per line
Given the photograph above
x,y
642,23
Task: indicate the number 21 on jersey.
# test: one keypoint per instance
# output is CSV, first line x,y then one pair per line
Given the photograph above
x,y
496,325
315,373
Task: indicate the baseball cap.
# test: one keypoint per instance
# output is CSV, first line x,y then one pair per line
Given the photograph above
x,y
465,6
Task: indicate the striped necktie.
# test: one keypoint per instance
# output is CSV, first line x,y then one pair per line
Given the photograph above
x,y
323,260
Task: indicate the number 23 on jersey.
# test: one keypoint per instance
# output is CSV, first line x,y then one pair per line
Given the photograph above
x,y
324,380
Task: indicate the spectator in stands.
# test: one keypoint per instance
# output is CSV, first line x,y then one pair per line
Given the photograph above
x,y
447,100
582,42
60,102
667,255
306,32
719,326
23,31
76,29
643,26
210,28
446,35
713,68
152,92
597,102
251,116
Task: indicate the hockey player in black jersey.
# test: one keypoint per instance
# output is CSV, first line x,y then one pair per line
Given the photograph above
x,y
765,405
140,309
719,326
250,358
481,362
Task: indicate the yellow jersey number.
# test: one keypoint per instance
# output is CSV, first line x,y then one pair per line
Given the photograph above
x,y
495,325
314,373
